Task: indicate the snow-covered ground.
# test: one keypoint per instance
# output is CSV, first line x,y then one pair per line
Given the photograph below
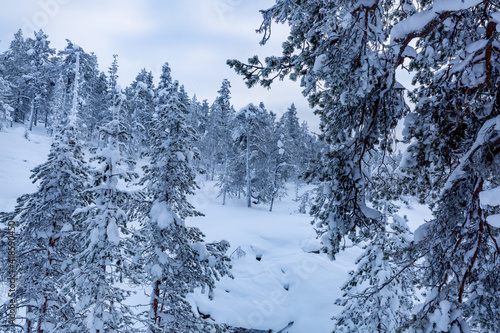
x,y
277,277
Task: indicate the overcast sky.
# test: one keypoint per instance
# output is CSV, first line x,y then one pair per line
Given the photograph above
x,y
195,37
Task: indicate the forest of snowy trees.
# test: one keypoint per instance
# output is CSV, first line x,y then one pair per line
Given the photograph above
x,y
82,236
83,240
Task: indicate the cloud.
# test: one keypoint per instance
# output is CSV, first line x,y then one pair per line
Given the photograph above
x,y
195,36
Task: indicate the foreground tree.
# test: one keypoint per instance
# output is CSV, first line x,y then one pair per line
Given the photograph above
x,y
44,222
346,54
105,260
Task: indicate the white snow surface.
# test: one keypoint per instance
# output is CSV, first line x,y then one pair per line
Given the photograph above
x,y
18,157
277,277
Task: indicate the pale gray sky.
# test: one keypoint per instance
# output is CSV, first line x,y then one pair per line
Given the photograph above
x,y
196,37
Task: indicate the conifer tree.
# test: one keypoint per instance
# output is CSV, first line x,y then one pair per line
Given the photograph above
x,y
44,220
218,134
6,109
140,110
277,164
105,259
16,67
93,89
252,133
358,104
38,76
290,139
452,162
346,54
174,256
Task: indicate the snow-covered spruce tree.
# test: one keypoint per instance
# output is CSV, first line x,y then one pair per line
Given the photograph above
x,y
6,109
38,76
98,273
175,257
277,164
290,127
197,118
140,107
339,51
251,136
218,132
453,161
379,295
44,221
93,89
16,64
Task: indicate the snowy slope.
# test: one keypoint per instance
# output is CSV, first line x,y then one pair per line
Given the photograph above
x,y
277,278
17,157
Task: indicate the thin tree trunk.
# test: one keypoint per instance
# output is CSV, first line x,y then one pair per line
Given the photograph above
x,y
30,123
272,202
154,303
249,194
28,321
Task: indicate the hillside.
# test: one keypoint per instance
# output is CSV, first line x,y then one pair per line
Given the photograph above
x,y
278,279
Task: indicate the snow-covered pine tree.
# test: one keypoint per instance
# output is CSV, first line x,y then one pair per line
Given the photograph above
x,y
44,220
252,130
104,264
197,118
175,257
453,161
6,109
277,163
353,48
338,49
38,76
290,127
140,107
16,64
93,91
217,137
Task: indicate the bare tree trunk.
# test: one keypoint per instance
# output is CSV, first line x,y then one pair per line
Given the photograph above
x,y
249,187
154,303
32,113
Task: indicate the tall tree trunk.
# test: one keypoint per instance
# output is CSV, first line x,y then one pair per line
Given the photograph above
x,y
32,113
249,185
